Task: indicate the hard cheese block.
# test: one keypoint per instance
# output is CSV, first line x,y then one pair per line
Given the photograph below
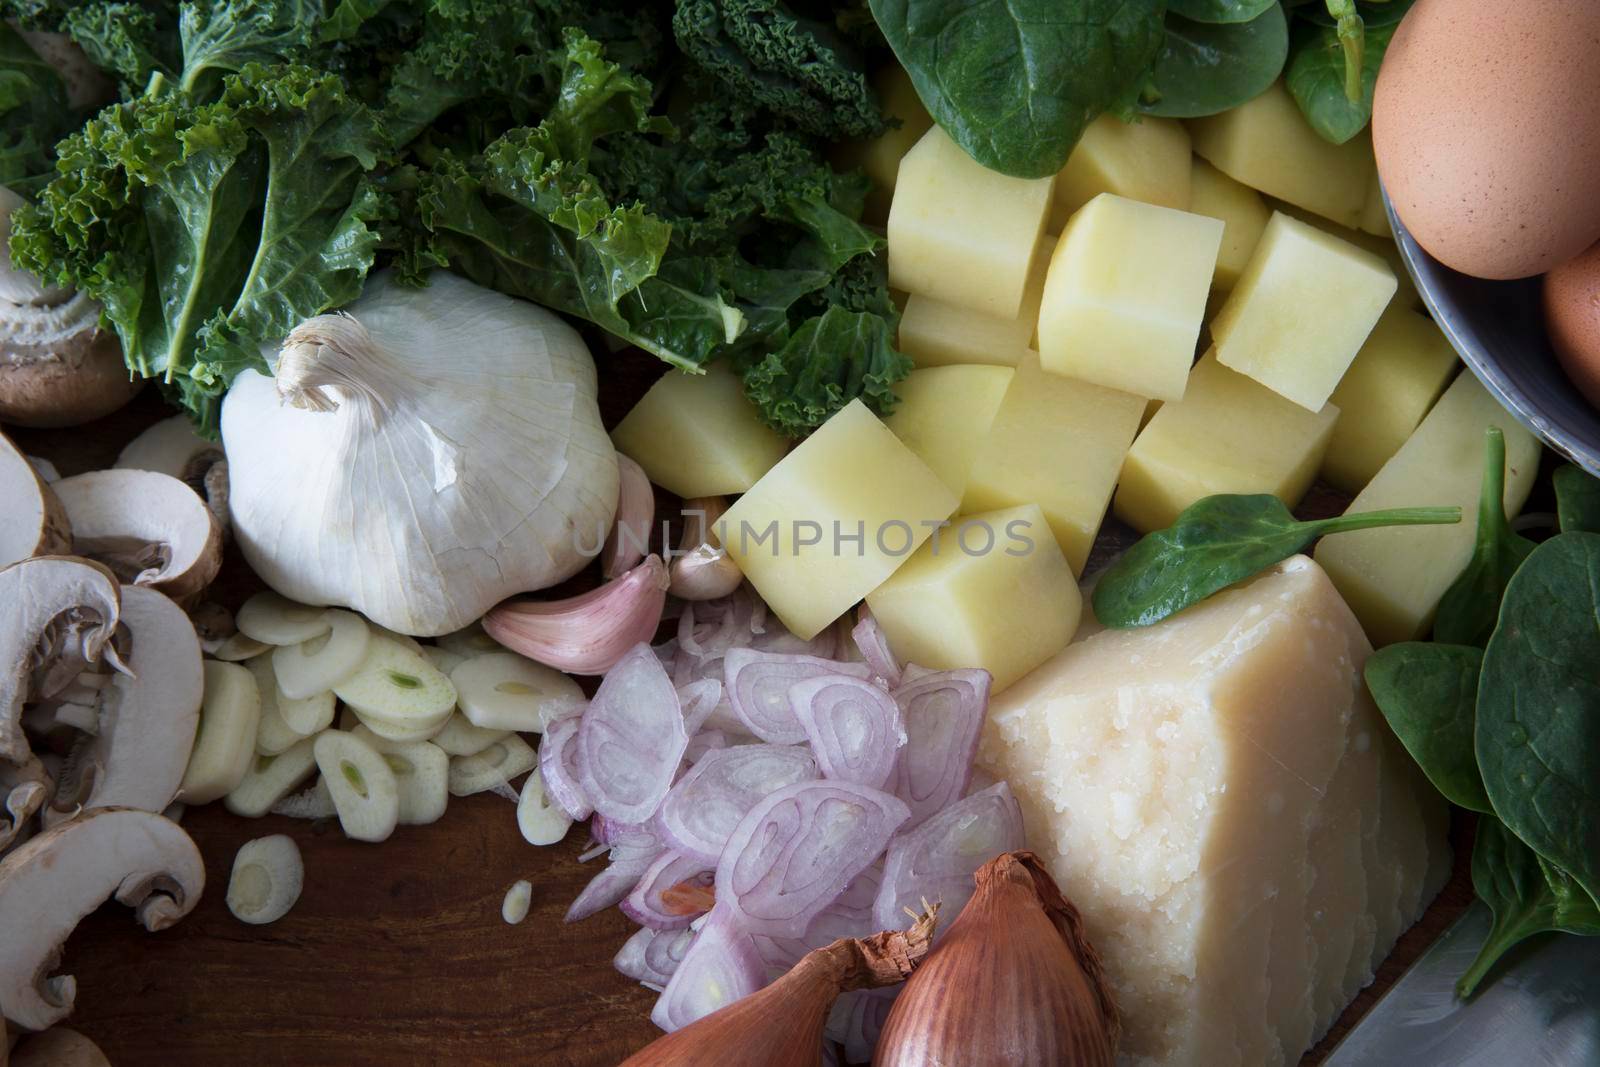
x,y
1242,211
1146,160
1126,294
833,519
1301,311
1393,577
1191,786
696,435
1229,434
1058,443
992,591
945,412
936,332
960,232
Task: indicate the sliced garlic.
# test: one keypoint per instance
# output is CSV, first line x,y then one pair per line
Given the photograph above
x,y
365,793
514,908
459,737
505,691
270,779
276,620
421,771
317,665
470,641
226,739
239,647
540,819
348,719
273,734
266,881
410,644
398,686
390,730
442,658
500,762
313,803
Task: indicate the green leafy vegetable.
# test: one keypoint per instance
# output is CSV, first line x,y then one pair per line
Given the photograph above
x,y
1528,895
812,376
1577,500
1428,693
33,115
1317,79
1219,10
1015,84
1469,608
1218,541
1538,715
224,37
1205,68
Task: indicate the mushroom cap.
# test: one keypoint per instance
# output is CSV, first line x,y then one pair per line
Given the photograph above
x,y
50,883
32,520
59,1047
57,367
149,528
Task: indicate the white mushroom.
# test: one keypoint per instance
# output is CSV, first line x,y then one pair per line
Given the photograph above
x,y
145,724
172,447
59,1047
147,527
22,801
53,881
32,520
52,609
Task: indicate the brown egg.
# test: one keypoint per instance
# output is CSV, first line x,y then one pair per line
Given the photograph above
x,y
1572,311
1486,125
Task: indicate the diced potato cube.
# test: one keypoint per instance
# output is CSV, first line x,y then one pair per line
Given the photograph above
x,y
833,519
963,233
1229,434
1242,211
1056,442
1301,311
1126,295
992,591
944,414
697,435
1393,577
1374,219
880,156
1381,246
934,332
1399,373
1146,160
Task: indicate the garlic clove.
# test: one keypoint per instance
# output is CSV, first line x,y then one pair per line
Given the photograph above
x,y
500,762
270,779
275,620
636,512
505,691
514,908
366,796
459,737
398,686
421,771
585,634
267,877
322,662
541,820
704,573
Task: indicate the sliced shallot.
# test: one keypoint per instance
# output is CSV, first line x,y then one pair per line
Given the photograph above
x,y
943,712
704,742
631,738
699,699
874,646
671,893
652,955
936,860
720,967
853,725
706,805
758,687
631,851
558,765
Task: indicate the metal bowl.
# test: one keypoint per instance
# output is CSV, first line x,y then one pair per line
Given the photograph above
x,y
1498,328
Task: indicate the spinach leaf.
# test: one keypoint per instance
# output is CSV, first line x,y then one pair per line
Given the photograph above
x,y
1206,68
1317,79
1528,895
1469,608
1218,541
1014,83
33,115
1428,692
1219,10
1373,12
1577,499
1538,730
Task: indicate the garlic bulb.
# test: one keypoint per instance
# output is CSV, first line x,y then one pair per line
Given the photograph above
x,y
421,456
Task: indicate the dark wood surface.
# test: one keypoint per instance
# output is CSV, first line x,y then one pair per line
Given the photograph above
x,y
396,953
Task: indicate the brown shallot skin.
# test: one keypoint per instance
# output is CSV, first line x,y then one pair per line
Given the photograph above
x,y
1013,983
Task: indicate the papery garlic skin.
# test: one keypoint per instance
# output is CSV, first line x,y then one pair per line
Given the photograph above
x,y
421,456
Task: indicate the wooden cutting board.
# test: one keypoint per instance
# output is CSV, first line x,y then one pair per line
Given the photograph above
x,y
396,952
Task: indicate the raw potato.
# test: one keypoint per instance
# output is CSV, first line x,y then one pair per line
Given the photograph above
x,y
399,686
317,665
421,772
505,691
1146,161
1242,211
1301,311
695,435
495,765
225,743
941,247
854,473
935,333
1126,295
266,881
1381,246
270,779
275,620
541,820
997,594
514,908
365,793
459,737
943,414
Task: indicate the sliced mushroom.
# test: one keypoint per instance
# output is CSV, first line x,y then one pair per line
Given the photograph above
x,y
59,1047
145,722
86,84
52,609
32,520
147,527
172,447
23,801
57,878
44,469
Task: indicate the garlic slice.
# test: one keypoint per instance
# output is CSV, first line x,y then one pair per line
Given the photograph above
x,y
239,647
226,739
390,730
270,779
365,794
421,771
540,819
317,665
442,658
267,877
398,685
459,737
273,732
410,644
470,641
505,691
276,620
500,762
514,908
312,803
